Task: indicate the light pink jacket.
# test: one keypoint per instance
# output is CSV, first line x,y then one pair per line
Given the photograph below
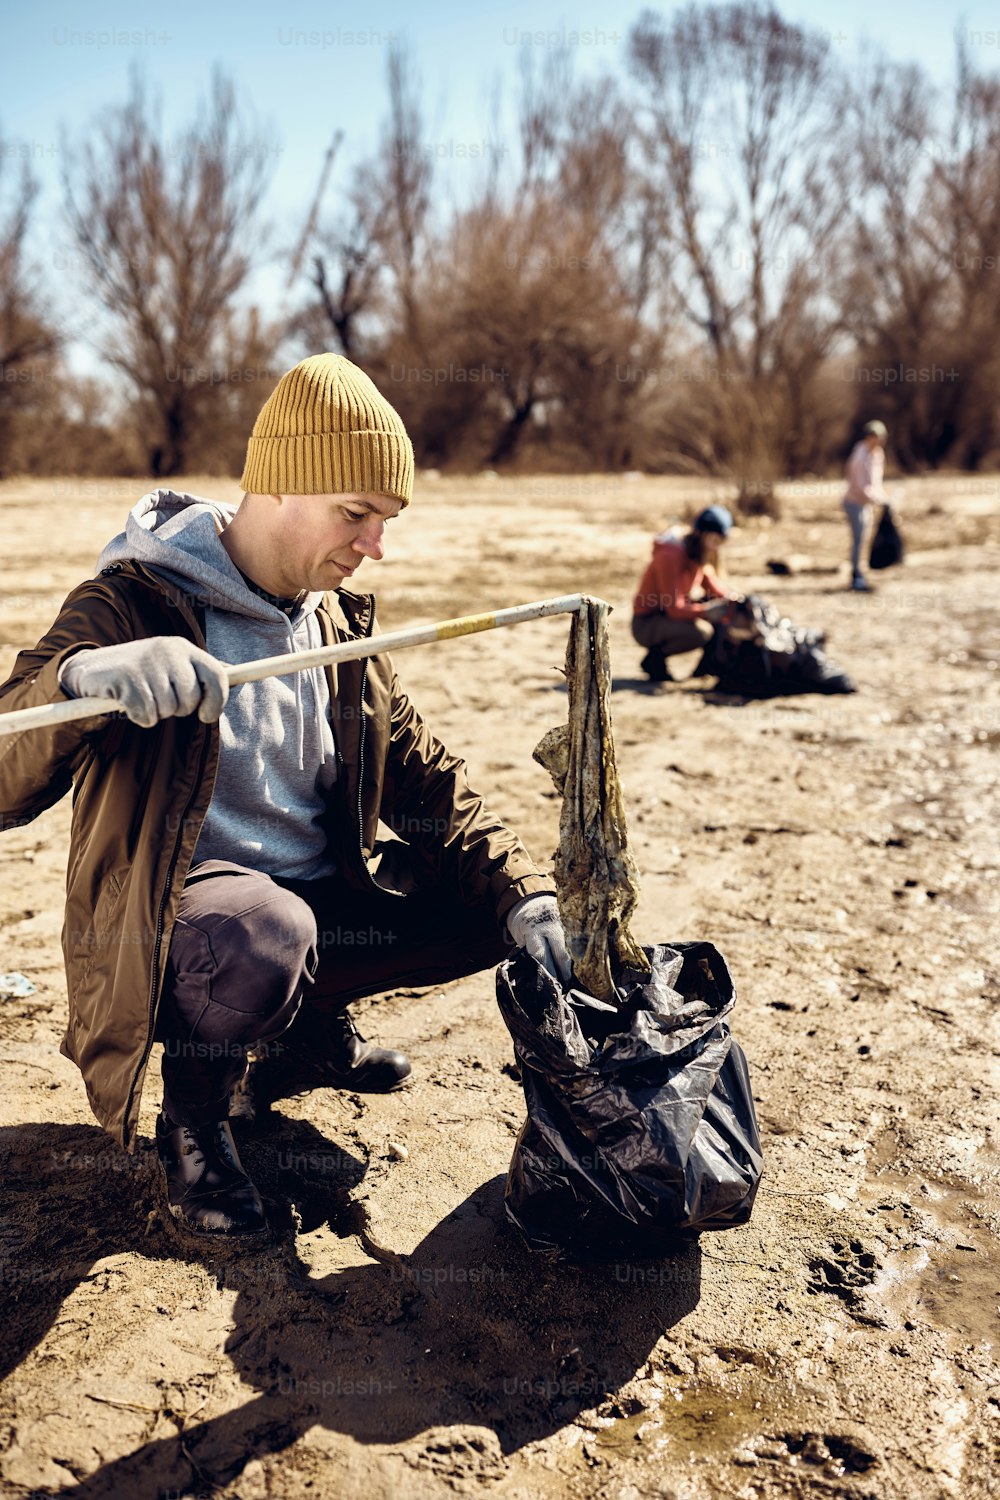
x,y
865,468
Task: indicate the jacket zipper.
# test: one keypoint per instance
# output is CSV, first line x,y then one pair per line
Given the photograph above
x,y
158,942
382,890
158,939
361,771
361,781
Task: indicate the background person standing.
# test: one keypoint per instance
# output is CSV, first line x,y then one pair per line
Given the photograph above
x,y
865,469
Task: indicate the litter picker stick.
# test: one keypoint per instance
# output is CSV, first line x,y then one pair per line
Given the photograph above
x,y
47,714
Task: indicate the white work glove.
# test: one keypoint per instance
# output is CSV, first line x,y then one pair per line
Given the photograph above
x,y
152,679
535,926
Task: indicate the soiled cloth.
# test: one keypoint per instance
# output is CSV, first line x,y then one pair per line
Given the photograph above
x,y
596,877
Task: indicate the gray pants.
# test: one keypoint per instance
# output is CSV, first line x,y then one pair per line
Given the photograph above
x,y
673,637
248,951
859,519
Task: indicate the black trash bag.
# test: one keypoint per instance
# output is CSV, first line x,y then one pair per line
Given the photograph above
x,y
759,653
641,1128
887,543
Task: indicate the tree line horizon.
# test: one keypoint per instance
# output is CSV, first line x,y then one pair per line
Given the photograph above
x,y
720,259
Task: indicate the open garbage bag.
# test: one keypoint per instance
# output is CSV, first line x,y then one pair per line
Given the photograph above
x,y
641,1125
760,653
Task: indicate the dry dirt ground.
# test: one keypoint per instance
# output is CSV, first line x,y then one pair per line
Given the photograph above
x,y
398,1340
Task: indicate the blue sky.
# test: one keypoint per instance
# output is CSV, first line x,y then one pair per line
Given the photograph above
x,y
305,69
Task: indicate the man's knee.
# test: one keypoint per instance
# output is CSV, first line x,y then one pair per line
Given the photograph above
x,y
270,946
250,958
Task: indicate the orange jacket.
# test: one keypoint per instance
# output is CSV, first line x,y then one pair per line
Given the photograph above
x,y
670,578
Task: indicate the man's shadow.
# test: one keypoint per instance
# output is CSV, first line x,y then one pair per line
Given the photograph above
x,y
471,1329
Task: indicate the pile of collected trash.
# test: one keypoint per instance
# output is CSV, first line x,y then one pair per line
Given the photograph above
x,y
756,652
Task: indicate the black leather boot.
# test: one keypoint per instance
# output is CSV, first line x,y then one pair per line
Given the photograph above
x,y
208,1191
349,1062
317,1051
654,664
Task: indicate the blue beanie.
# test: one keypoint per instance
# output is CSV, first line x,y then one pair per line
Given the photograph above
x,y
715,518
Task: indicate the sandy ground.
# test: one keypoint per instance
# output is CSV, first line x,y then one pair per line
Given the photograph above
x,y
398,1340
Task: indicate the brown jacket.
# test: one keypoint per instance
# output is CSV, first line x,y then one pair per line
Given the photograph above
x,y
140,797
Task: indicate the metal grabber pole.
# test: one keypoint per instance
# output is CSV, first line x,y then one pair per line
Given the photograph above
x,y
46,715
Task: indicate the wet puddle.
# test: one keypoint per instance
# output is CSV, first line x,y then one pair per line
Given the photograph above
x,y
959,1290
753,1423
696,1422
953,1284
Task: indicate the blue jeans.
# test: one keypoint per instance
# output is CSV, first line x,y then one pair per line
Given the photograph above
x,y
859,518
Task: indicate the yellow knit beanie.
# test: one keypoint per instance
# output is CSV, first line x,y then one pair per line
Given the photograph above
x,y
325,430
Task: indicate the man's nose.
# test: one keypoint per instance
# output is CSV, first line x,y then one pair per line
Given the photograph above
x,y
369,539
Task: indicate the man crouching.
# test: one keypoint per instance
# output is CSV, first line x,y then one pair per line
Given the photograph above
x,y
223,857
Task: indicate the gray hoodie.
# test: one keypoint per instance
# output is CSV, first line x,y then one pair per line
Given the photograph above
x,y
277,756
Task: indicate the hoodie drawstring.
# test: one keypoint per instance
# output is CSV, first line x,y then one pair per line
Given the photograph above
x,y
300,717
317,678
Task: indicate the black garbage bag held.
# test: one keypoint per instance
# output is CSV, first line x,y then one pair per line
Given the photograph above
x,y
641,1126
887,543
640,1123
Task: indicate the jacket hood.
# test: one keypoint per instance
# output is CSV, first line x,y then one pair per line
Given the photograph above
x,y
671,537
179,536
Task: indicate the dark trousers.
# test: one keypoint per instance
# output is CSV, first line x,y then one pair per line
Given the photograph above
x,y
248,950
673,637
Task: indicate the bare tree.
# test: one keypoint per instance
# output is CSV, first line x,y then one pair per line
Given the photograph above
x,y
344,291
702,276
354,294
348,273
966,194
168,230
406,169
547,284
520,305
923,301
367,267
29,343
736,109
899,272
542,113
